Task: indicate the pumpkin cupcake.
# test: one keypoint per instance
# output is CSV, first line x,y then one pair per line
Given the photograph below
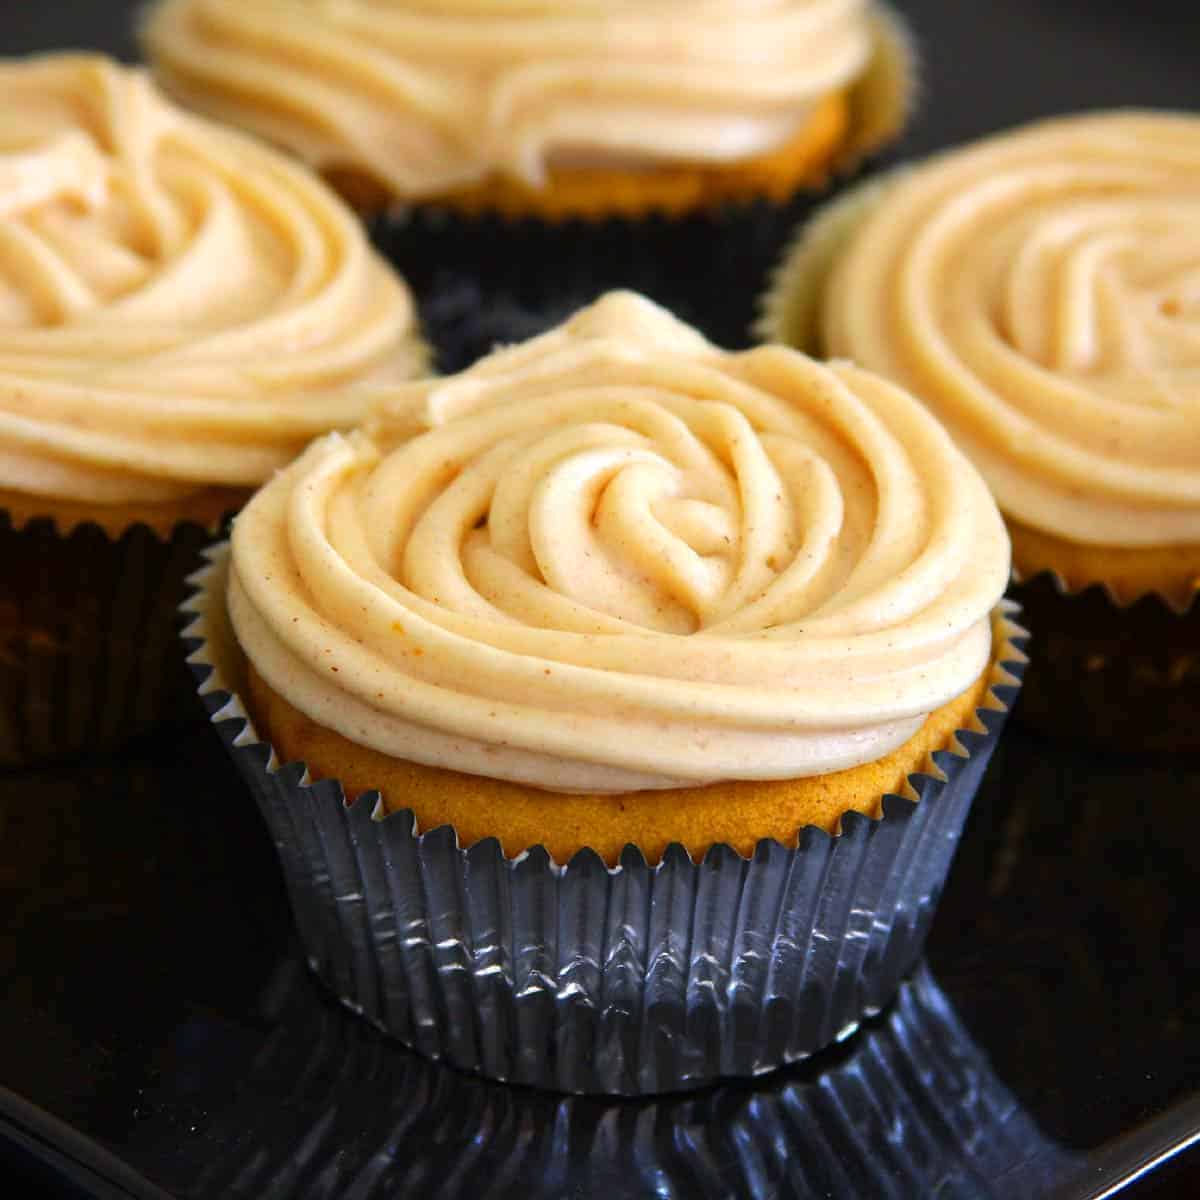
x,y
1037,291
554,148
181,311
643,653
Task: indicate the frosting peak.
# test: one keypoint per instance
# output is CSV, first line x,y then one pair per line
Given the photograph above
x,y
427,98
616,557
179,306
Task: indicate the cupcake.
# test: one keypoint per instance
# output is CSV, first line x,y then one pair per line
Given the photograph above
x,y
182,311
1037,291
658,680
552,148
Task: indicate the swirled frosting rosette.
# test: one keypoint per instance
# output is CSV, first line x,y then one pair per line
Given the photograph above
x,y
617,558
180,307
426,99
1038,290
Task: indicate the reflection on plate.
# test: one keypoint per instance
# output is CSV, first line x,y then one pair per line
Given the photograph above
x,y
909,1107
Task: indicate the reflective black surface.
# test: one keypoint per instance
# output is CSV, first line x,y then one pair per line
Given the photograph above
x,y
156,1004
156,1031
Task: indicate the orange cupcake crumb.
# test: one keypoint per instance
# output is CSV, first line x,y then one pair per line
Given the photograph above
x,y
738,813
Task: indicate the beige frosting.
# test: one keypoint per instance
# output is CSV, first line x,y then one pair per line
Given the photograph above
x,y
179,306
427,97
1040,291
616,557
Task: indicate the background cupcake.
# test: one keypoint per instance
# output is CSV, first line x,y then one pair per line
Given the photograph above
x,y
183,310
617,599
1037,291
556,148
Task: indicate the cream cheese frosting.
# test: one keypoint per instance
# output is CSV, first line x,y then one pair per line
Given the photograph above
x,y
1040,291
429,97
180,307
616,557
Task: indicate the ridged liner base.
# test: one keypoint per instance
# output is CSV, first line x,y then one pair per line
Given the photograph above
x,y
87,637
581,978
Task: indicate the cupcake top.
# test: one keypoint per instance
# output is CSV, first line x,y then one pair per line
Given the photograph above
x,y
426,97
1040,291
616,557
180,307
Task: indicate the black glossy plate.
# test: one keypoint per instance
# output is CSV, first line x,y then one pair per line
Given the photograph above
x,y
160,1038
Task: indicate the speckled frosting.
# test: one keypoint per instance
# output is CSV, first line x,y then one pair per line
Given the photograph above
x,y
1040,291
616,558
180,307
427,98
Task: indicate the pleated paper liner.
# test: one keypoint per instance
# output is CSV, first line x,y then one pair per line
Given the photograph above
x,y
88,626
1110,669
577,977
486,279
910,1108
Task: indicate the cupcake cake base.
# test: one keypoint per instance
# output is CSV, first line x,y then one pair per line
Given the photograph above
x,y
738,813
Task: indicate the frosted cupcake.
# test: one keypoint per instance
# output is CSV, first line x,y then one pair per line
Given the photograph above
x,y
181,311
637,646
549,150
1037,291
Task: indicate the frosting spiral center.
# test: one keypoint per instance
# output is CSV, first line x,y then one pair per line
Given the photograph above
x,y
629,510
1105,291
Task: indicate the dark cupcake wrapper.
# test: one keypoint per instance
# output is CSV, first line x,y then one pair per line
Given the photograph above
x,y
581,978
89,623
489,280
911,1108
1110,670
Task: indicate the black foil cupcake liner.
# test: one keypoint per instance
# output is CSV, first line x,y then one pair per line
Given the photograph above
x,y
489,280
1119,673
910,1108
582,978
88,624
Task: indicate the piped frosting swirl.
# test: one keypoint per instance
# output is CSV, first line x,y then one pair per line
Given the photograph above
x,y
1040,291
616,557
180,307
428,98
